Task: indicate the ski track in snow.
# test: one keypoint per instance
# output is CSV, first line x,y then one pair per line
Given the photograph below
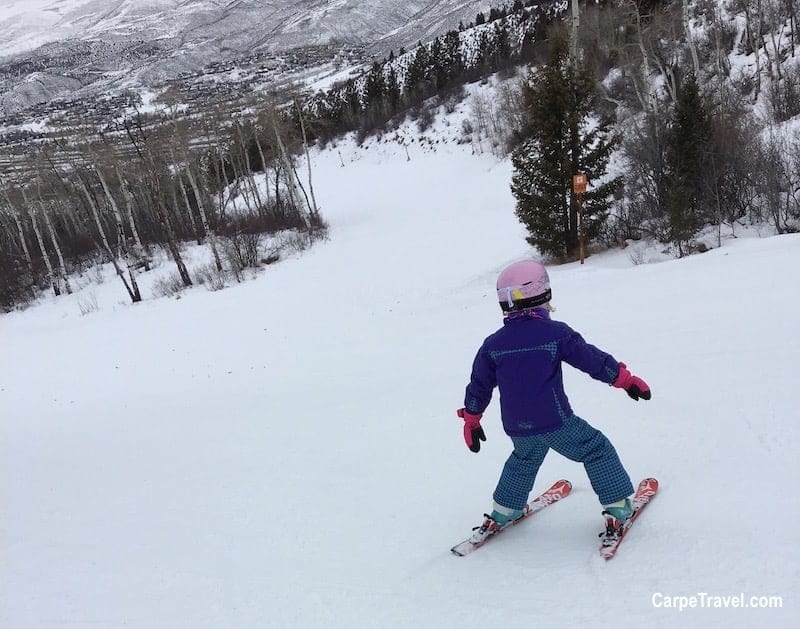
x,y
285,453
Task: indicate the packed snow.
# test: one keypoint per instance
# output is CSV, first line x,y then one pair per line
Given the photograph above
x,y
286,453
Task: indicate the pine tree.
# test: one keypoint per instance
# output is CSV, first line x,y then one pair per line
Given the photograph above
x,y
438,65
416,82
374,95
560,141
453,59
688,141
392,91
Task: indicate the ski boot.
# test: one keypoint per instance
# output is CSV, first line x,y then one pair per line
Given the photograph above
x,y
616,515
499,518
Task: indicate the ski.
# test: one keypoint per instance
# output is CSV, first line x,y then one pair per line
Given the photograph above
x,y
644,493
559,489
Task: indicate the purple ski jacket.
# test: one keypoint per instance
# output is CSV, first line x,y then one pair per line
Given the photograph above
x,y
523,360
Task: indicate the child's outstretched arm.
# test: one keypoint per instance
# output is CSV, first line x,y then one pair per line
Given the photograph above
x,y
482,382
601,366
633,385
478,395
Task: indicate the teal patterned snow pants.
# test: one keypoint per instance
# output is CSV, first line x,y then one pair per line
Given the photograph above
x,y
576,440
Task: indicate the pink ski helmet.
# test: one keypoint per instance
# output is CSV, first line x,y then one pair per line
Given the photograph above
x,y
522,285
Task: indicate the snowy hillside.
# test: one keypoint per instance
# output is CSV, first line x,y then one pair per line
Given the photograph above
x,y
285,453
65,50
244,25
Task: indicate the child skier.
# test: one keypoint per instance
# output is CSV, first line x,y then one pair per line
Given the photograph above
x,y
523,360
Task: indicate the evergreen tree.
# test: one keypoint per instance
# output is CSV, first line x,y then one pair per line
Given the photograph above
x,y
351,105
501,45
561,140
416,83
687,145
438,65
485,50
374,93
392,91
453,59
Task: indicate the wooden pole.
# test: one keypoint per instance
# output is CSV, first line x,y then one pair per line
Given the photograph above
x,y
581,231
579,183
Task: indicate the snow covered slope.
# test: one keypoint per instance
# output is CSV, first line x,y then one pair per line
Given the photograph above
x,y
285,453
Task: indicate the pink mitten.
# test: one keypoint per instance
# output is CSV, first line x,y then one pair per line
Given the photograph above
x,y
634,385
473,433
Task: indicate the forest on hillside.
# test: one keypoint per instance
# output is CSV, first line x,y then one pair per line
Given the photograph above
x,y
680,112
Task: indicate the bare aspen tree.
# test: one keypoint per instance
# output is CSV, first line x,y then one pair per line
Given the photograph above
x,y
104,239
51,276
129,203
774,18
249,177
210,234
687,29
54,240
721,59
224,173
667,57
122,244
575,24
21,233
219,166
172,244
290,179
302,189
647,97
264,166
173,191
187,204
143,150
239,178
314,207
752,15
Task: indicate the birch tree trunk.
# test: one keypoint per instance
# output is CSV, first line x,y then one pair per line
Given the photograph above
x,y
172,245
23,241
104,239
240,181
290,180
687,29
187,203
126,192
573,33
722,61
648,101
263,165
122,244
314,207
226,189
753,41
51,276
248,167
56,246
211,235
159,208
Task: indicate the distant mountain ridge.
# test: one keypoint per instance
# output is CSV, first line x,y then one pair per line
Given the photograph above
x,y
54,48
